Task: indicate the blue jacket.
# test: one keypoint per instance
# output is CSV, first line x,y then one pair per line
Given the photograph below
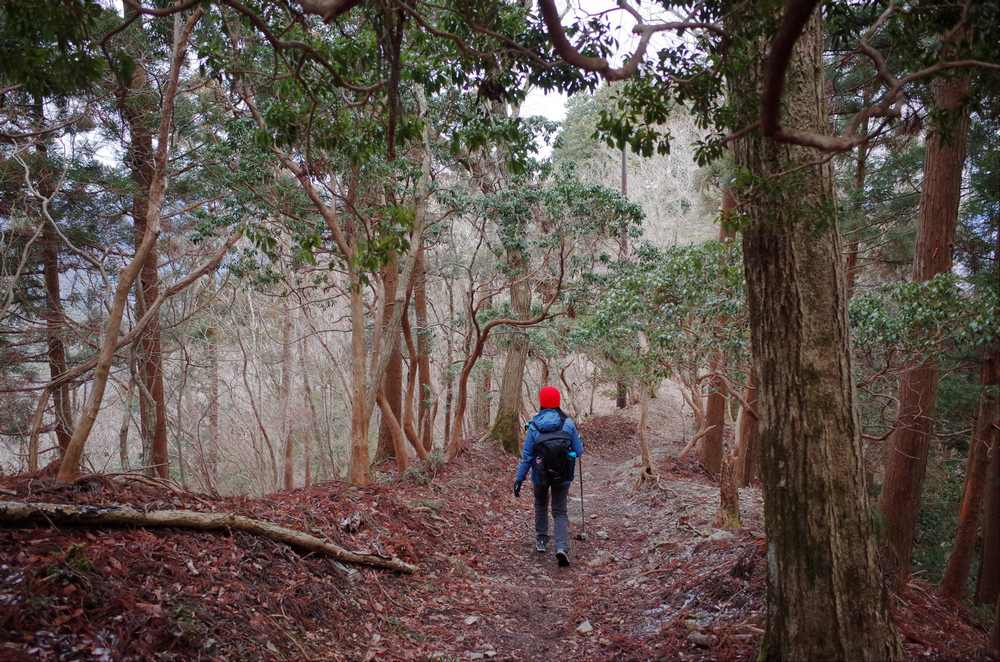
x,y
547,420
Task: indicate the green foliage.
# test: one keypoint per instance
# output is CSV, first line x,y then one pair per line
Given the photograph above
x,y
45,46
924,321
688,303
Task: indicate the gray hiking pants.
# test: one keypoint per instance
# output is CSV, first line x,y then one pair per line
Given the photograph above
x,y
559,516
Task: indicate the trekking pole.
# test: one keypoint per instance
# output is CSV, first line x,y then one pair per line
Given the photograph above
x,y
583,518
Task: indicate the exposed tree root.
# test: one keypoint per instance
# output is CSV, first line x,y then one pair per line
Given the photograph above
x,y
18,512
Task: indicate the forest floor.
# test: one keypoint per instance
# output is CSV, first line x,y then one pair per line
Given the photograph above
x,y
652,580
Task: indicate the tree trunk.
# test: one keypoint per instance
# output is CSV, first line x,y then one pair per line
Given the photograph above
x,y
55,330
956,575
74,452
285,397
152,408
747,451
906,465
55,324
647,461
359,472
728,515
507,424
314,427
424,387
214,447
988,581
392,384
396,432
825,596
715,424
52,513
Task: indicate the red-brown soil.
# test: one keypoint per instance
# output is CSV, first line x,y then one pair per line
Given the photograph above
x,y
652,580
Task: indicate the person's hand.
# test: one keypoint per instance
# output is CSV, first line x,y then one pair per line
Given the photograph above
x,y
517,487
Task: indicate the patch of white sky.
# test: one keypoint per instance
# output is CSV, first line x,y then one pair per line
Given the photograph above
x,y
552,105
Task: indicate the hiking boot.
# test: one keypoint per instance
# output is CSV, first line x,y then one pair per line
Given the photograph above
x,y
563,557
540,546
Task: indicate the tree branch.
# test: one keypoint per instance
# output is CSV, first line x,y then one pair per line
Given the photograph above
x,y
17,512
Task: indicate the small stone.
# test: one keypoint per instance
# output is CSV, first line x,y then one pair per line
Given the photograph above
x,y
585,627
462,567
691,624
699,639
603,535
476,656
491,654
722,535
471,620
604,642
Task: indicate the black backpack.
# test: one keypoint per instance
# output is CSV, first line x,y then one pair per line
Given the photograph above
x,y
551,461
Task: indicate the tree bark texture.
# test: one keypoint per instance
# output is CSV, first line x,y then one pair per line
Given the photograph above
x,y
984,433
507,425
51,513
157,188
55,323
55,332
906,465
825,596
715,423
152,407
728,515
392,383
359,472
747,450
424,387
988,581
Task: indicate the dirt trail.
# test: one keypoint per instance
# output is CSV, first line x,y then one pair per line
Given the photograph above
x,y
615,600
652,580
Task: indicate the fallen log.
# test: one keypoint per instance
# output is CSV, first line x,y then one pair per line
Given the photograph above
x,y
54,513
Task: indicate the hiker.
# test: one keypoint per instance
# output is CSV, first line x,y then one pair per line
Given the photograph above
x,y
551,447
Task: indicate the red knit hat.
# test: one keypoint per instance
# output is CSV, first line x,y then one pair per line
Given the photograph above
x,y
548,397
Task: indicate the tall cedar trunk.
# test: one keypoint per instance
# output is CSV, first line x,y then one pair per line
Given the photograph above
x,y
55,328
411,385
55,324
285,397
728,514
995,630
647,461
715,422
983,431
910,441
748,450
621,389
424,388
449,357
507,424
392,384
359,472
152,408
712,446
825,596
127,277
988,581
481,399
